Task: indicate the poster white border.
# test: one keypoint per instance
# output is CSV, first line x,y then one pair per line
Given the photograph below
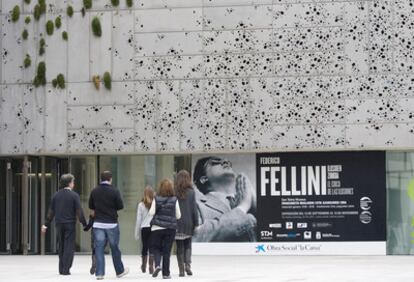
x,y
292,248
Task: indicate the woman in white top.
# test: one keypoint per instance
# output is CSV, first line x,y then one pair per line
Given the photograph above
x,y
143,229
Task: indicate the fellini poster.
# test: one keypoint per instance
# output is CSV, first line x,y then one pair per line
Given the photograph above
x,y
301,203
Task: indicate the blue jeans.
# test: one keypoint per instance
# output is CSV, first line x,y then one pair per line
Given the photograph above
x,y
101,237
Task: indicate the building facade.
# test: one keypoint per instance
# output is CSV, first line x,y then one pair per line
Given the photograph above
x,y
195,76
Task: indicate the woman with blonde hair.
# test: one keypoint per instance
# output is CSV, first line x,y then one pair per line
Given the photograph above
x,y
143,229
166,211
188,221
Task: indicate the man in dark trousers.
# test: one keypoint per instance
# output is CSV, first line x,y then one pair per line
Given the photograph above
x,y
65,207
105,202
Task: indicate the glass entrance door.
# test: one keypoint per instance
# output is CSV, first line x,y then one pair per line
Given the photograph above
x,y
51,170
32,200
5,191
11,206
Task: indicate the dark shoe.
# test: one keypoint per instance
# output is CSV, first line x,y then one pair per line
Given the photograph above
x,y
156,271
151,264
65,273
188,269
93,266
144,264
180,260
166,277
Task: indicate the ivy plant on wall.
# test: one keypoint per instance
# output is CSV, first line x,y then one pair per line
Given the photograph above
x,y
50,27
58,22
27,20
130,3
39,9
27,2
37,12
96,81
25,34
65,36
40,78
15,13
59,81
42,4
115,3
42,45
87,4
27,62
69,11
107,80
96,27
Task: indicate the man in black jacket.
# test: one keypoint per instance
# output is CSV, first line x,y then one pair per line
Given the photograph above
x,y
105,202
65,207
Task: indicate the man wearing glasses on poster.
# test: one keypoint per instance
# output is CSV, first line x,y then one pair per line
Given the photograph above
x,y
226,202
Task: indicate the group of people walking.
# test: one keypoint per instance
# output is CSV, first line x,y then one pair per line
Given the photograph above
x,y
165,216
169,215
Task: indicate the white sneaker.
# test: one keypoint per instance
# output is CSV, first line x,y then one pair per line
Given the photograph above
x,y
99,277
126,271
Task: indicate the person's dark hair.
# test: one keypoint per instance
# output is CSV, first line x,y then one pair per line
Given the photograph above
x,y
106,175
182,183
200,171
166,188
66,179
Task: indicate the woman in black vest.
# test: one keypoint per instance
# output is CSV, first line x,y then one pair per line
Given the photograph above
x,y
166,211
188,221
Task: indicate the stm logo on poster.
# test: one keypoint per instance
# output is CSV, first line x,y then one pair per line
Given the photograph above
x,y
266,233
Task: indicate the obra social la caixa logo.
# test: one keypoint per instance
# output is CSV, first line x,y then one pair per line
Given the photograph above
x,y
260,249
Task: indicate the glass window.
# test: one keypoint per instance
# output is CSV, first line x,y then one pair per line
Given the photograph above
x,y
400,206
130,175
85,171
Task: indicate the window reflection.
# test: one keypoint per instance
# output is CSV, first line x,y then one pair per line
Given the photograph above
x,y
400,207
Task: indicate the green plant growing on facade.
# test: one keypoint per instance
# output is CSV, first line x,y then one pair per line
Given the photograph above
x,y
83,11
37,12
130,3
42,4
27,1
58,22
65,36
39,9
96,81
69,11
15,13
25,34
107,81
60,81
27,62
40,78
50,27
27,20
115,3
96,27
42,45
87,4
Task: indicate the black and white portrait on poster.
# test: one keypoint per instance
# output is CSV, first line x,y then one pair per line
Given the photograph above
x,y
226,197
